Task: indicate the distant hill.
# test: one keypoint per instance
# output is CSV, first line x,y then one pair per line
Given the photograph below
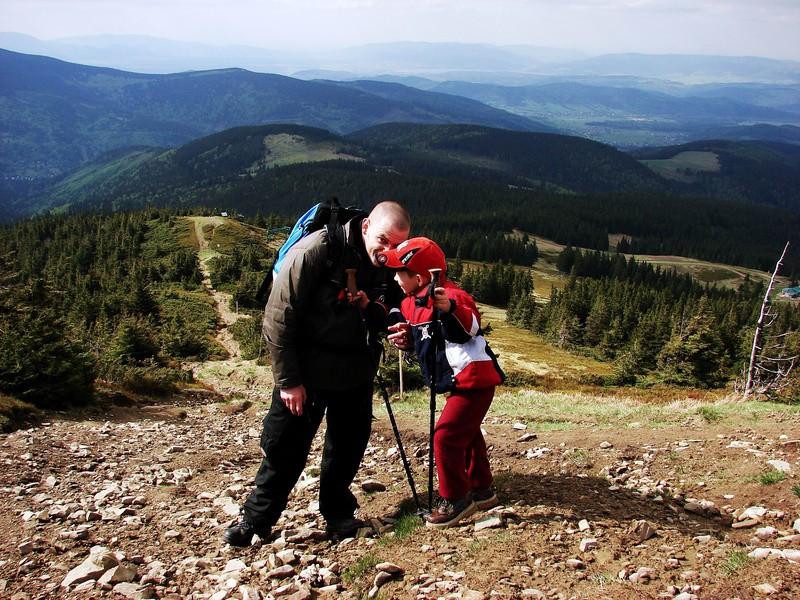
x,y
244,157
788,134
761,172
57,115
556,161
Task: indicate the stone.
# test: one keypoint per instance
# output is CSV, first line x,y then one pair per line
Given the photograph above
x,y
118,574
519,426
527,437
764,589
287,557
388,567
491,522
372,485
281,572
753,512
533,593
641,531
26,547
234,566
745,524
796,526
780,465
588,544
583,525
475,595
99,561
766,533
574,563
792,555
606,445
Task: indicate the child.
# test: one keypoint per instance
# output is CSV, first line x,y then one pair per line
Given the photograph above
x,y
465,367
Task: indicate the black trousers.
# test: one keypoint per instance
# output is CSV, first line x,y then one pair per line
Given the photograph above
x,y
286,440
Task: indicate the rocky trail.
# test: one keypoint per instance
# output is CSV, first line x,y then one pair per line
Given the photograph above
x,y
132,504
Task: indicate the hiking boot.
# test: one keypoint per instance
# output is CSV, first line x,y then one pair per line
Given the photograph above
x,y
240,533
448,513
343,528
484,498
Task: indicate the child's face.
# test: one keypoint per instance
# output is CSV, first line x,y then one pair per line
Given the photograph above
x,y
411,282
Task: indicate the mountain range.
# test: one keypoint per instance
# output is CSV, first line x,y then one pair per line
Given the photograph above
x,y
270,167
56,115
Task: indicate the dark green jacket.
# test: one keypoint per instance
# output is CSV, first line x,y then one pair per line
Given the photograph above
x,y
315,337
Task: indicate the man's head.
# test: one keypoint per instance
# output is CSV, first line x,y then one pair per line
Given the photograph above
x,y
414,259
386,226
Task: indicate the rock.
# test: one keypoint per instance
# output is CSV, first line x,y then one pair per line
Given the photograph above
x,y
766,533
491,522
764,589
685,596
762,553
792,555
281,572
641,531
753,512
796,526
476,595
527,437
606,445
234,566
519,426
388,567
118,574
533,593
583,525
574,563
588,544
99,561
745,524
26,547
287,557
780,465
372,485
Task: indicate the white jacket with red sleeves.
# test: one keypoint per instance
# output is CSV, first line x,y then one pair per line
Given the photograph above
x,y
464,360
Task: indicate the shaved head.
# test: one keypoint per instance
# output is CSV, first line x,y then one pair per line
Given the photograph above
x,y
393,213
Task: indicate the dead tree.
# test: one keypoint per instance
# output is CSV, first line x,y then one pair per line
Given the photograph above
x,y
769,369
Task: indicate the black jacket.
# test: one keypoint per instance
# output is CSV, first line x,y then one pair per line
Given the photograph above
x,y
314,336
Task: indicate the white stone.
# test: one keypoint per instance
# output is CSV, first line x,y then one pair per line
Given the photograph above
x,y
780,465
583,525
519,426
489,523
588,544
753,512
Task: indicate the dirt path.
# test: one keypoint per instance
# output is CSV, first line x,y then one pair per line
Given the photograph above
x,y
157,487
233,377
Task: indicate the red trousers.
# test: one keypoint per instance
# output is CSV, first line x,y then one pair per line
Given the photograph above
x,y
458,445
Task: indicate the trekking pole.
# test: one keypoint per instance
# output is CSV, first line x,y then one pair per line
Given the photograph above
x,y
406,466
400,370
353,289
435,273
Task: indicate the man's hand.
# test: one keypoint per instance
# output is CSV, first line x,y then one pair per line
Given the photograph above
x,y
400,336
294,398
359,299
440,300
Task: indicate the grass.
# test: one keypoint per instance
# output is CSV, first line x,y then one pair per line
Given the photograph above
x,y
796,490
360,568
735,561
579,457
771,477
710,414
601,408
14,413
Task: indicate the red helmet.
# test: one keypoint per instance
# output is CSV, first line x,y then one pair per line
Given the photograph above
x,y
418,255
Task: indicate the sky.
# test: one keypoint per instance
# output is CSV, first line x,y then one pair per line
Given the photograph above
x,y
769,28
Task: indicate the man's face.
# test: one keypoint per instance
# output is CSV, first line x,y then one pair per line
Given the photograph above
x,y
379,236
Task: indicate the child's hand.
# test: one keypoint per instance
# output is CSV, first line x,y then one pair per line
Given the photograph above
x,y
359,299
400,336
441,301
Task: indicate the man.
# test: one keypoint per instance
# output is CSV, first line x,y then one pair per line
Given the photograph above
x,y
322,344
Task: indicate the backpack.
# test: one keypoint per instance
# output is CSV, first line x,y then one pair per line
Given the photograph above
x,y
328,215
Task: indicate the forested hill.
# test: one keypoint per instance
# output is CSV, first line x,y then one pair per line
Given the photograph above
x,y
245,159
56,115
271,169
754,171
572,163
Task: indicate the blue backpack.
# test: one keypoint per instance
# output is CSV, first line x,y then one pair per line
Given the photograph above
x,y
328,215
